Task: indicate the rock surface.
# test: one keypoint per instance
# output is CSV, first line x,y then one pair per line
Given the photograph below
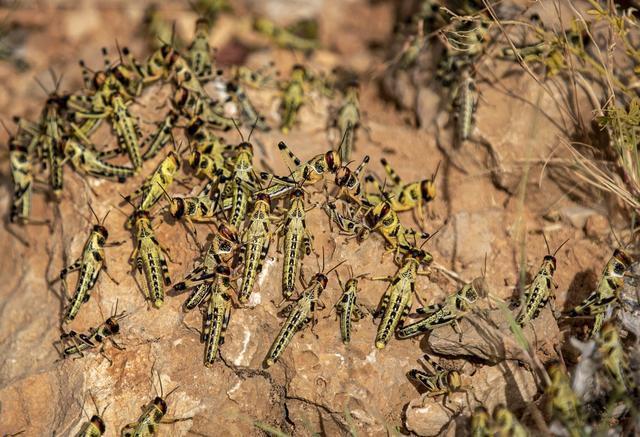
x,y
319,385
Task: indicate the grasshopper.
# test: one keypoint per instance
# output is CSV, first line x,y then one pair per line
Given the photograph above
x,y
157,65
208,156
348,121
465,98
220,251
300,313
194,105
438,382
156,184
606,294
296,236
506,424
87,161
50,139
283,37
124,125
242,181
396,301
148,257
80,343
256,239
217,314
200,52
292,98
614,357
255,79
562,402
152,416
310,172
405,197
348,182
161,137
348,307
541,289
90,264
384,219
199,208
22,176
95,427
126,129
480,423
453,309
348,225
248,111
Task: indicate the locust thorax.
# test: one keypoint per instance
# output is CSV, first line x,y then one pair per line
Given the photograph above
x,y
98,423
428,190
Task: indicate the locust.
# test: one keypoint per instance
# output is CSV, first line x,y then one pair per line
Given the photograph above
x,y
309,173
541,289
480,423
348,182
449,312
199,52
614,357
256,240
156,184
87,161
126,129
124,126
296,236
152,416
208,156
348,307
148,257
257,79
283,37
199,208
22,177
347,224
562,402
300,313
89,265
217,315
348,121
242,181
607,291
220,251
157,65
247,110
50,138
80,343
404,196
506,424
383,219
465,103
192,105
161,137
95,427
396,301
292,98
438,382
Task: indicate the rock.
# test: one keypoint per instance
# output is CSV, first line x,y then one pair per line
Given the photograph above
x,y
468,236
486,335
577,215
596,226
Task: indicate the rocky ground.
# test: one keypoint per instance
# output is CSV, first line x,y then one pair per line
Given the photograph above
x,y
490,201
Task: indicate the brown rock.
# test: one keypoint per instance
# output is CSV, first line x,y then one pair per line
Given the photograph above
x,y
487,335
596,226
